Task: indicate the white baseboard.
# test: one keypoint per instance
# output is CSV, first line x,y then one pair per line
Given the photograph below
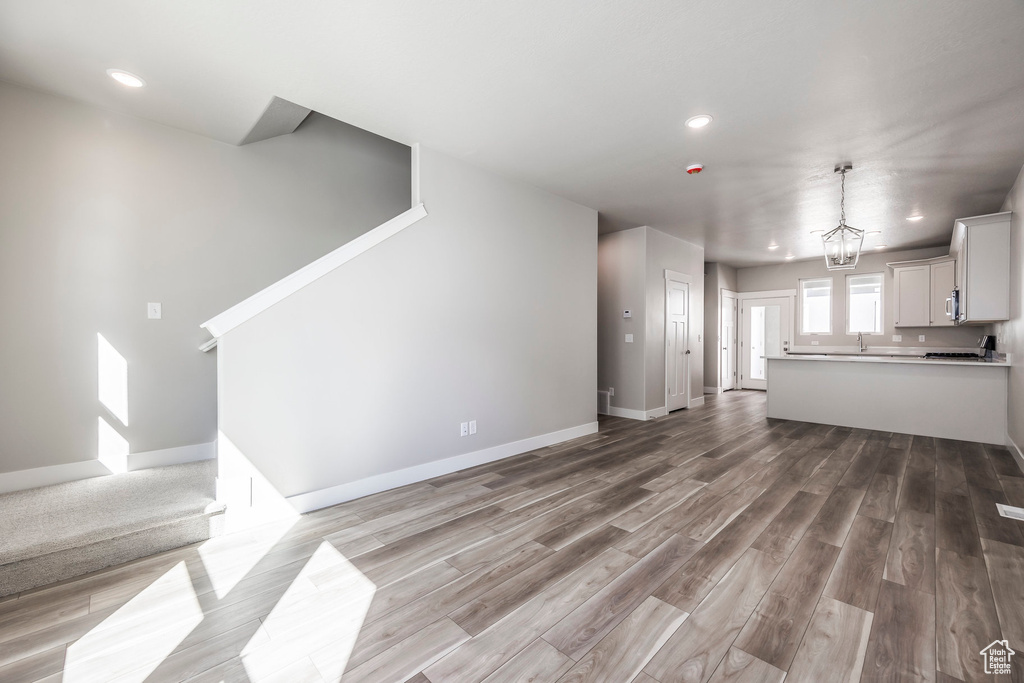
x,y
699,401
713,390
639,414
628,413
172,456
1015,451
314,500
87,469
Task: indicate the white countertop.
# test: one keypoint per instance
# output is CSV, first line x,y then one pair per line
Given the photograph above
x,y
908,360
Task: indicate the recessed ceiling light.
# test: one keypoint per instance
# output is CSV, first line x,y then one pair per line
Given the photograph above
x,y
790,257
126,79
914,218
881,246
773,246
698,121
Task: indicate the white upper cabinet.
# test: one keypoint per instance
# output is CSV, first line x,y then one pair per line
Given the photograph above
x,y
943,277
911,289
922,292
981,246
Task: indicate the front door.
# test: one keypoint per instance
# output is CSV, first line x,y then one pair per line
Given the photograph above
x,y
765,333
677,348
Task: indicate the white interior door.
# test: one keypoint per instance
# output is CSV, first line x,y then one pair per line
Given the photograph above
x,y
728,372
766,331
677,348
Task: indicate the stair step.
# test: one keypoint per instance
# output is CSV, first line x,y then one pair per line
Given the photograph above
x,y
58,532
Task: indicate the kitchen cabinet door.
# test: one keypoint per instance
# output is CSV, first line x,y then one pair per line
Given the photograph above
x,y
943,277
911,296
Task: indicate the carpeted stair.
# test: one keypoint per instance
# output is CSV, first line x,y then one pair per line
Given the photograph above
x,y
57,532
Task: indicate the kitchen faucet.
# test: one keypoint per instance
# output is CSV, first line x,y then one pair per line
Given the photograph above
x,y
860,342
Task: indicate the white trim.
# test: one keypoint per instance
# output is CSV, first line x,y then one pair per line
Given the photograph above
x,y
713,390
262,300
415,168
1015,451
628,413
172,456
770,294
87,469
314,500
699,401
208,345
637,414
676,276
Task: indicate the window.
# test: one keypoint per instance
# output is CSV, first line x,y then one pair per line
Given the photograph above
x,y
816,306
864,304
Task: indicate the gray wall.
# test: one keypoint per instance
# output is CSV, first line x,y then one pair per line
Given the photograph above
x,y
631,274
717,276
667,252
1011,334
102,213
485,310
787,276
621,285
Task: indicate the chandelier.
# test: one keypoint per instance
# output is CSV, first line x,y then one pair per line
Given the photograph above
x,y
842,243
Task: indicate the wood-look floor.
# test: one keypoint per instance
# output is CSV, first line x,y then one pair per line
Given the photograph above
x,y
709,545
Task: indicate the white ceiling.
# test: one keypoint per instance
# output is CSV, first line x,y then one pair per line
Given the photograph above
x,y
587,98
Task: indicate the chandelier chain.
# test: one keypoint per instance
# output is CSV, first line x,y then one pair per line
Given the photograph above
x,y
842,198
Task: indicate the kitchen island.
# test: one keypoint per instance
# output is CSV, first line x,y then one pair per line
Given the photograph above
x,y
946,398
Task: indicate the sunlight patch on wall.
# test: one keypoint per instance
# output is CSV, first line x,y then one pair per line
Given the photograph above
x,y
250,498
320,616
132,642
112,448
112,379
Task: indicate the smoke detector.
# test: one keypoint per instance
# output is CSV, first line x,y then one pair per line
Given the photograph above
x,y
694,169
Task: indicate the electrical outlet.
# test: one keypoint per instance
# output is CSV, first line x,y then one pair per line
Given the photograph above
x,y
815,342
611,391
920,337
472,426
629,339
464,429
897,337
627,313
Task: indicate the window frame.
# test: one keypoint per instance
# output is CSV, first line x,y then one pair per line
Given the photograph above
x,y
800,305
881,305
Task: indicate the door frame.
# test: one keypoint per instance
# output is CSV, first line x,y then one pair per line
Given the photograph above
x,y
683,279
724,293
742,297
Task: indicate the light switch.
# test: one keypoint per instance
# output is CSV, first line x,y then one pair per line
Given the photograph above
x,y
920,337
153,311
629,339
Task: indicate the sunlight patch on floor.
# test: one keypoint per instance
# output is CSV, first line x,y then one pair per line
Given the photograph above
x,y
132,642
229,559
307,618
